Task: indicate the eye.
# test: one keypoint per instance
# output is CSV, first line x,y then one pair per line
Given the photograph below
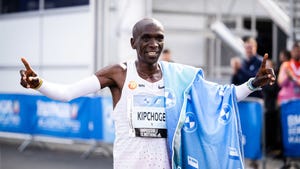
x,y
146,38
160,38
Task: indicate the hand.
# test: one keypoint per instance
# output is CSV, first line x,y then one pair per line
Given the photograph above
x,y
29,78
291,75
235,64
264,75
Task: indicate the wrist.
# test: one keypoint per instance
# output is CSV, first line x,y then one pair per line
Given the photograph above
x,y
39,85
251,86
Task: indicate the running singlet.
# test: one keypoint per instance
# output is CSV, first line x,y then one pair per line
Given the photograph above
x,y
140,124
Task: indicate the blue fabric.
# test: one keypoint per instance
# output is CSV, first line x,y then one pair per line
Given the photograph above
x,y
202,121
177,78
251,116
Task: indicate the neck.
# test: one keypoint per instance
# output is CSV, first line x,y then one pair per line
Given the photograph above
x,y
149,72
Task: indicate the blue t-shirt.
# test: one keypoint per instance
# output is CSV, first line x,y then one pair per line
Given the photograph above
x,y
248,70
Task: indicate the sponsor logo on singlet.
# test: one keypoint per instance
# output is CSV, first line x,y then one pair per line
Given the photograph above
x,y
132,85
170,98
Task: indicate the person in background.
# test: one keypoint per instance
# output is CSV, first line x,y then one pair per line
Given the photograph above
x,y
284,55
289,76
236,64
249,66
289,82
166,55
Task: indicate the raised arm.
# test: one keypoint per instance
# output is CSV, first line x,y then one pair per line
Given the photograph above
x,y
66,92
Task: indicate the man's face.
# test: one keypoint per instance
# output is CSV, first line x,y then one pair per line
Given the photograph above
x,y
148,40
250,47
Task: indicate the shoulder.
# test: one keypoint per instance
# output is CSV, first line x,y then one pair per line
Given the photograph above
x,y
259,58
115,68
112,75
112,71
285,64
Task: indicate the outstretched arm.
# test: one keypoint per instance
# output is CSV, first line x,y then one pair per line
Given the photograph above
x,y
263,77
30,79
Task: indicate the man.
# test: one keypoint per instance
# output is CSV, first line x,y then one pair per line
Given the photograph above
x,y
138,90
249,66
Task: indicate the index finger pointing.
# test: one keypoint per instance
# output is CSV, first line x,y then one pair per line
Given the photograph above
x,y
26,64
264,62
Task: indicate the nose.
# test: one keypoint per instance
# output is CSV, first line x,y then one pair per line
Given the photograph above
x,y
153,43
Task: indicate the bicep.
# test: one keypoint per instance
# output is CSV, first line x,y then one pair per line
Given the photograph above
x,y
108,76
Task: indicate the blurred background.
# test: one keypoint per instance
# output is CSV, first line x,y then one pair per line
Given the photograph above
x,y
68,38
65,40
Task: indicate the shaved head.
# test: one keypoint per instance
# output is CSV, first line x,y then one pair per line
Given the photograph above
x,y
145,21
148,40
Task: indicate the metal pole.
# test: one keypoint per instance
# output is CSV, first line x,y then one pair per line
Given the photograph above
x,y
274,43
96,22
41,36
253,18
291,33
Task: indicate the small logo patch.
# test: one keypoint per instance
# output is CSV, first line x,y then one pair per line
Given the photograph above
x,y
170,98
132,85
190,124
225,114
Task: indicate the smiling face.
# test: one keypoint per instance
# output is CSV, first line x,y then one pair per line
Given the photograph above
x,y
148,40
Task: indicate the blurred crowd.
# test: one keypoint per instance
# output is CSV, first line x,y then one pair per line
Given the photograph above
x,y
287,87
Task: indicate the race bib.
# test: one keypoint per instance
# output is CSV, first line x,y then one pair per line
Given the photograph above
x,y
147,116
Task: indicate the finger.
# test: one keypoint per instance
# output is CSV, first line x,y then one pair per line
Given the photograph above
x,y
264,62
23,74
270,71
33,78
23,83
26,64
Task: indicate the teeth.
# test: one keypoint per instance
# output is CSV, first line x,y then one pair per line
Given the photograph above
x,y
152,53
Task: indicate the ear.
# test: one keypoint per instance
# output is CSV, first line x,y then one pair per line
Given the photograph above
x,y
132,43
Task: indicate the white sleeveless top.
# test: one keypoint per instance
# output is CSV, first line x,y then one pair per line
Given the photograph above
x,y
140,112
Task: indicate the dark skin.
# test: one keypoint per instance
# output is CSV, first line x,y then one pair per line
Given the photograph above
x,y
148,41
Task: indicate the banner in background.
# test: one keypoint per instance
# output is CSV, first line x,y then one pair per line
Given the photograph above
x,y
16,111
102,125
290,120
81,118
62,119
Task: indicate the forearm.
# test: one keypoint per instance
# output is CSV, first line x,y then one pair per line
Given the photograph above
x,y
68,92
243,90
